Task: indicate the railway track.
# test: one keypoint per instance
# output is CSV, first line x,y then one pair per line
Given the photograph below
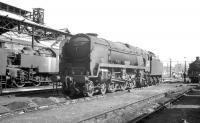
x,y
26,90
116,111
183,109
161,107
105,114
66,101
109,113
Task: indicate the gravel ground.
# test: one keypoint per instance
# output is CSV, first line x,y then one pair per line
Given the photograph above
x,y
75,112
185,110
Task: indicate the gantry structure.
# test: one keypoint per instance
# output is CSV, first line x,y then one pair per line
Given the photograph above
x,y
22,22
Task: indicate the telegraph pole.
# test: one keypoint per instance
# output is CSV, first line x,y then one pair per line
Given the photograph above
x,y
185,67
170,68
33,38
184,75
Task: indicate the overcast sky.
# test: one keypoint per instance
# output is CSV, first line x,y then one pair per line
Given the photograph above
x,y
169,28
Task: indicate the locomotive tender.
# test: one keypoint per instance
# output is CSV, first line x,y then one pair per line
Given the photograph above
x,y
89,64
21,65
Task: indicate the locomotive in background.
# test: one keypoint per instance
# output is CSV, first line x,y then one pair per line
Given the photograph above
x,y
21,65
89,64
194,71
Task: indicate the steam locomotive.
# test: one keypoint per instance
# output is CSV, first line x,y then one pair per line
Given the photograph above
x,y
194,71
89,65
21,65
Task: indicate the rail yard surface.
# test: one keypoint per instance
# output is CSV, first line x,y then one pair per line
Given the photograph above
x,y
184,110
114,107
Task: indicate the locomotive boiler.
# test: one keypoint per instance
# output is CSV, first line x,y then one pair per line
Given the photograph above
x,y
194,71
20,66
89,64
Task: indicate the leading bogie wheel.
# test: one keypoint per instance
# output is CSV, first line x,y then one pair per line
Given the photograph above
x,y
18,83
153,81
123,86
156,80
89,89
131,85
111,87
37,82
103,88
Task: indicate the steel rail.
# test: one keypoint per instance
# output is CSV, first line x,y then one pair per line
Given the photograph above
x,y
80,100
123,107
104,114
27,90
163,106
66,102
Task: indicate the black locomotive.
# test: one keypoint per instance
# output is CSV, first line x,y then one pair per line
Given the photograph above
x,y
89,64
21,65
194,71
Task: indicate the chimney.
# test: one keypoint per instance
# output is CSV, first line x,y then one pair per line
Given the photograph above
x,y
197,58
